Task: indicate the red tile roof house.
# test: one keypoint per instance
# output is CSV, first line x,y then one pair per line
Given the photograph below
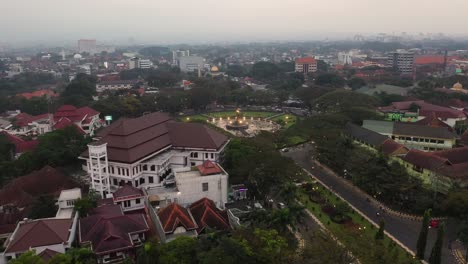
x,y
145,152
440,169
112,235
18,195
51,234
426,110
85,119
21,145
174,220
130,198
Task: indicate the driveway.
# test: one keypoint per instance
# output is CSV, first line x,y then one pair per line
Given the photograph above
x,y
405,230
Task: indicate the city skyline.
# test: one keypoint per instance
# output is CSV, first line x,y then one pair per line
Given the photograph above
x,y
52,21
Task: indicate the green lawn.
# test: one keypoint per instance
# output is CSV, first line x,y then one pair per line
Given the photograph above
x,y
358,237
193,118
286,120
247,114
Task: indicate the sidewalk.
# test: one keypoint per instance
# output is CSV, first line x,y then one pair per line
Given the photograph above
x,y
385,208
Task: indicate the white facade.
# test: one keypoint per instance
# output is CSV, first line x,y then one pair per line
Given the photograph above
x,y
193,186
144,64
113,86
402,61
61,247
66,202
98,168
191,63
163,173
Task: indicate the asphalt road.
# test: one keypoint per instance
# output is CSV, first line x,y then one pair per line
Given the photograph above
x,y
405,230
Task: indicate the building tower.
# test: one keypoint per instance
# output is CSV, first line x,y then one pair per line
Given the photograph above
x,y
98,167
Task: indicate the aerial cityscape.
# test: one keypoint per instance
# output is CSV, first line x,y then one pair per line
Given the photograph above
x,y
205,132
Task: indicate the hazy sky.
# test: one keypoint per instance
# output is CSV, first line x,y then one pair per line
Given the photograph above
x,y
175,21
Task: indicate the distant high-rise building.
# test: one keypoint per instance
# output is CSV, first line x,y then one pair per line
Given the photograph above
x,y
144,64
139,63
344,58
306,64
402,61
191,63
87,45
176,54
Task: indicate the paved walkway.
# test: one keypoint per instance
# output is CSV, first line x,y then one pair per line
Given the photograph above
x,y
404,230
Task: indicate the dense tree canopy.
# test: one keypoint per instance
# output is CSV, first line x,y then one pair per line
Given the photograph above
x,y
330,79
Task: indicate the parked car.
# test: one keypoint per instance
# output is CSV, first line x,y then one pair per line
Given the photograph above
x,y
433,224
281,205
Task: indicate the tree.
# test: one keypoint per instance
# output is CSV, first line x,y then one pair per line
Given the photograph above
x,y
456,204
322,66
323,249
236,70
436,253
80,91
7,149
356,83
264,70
75,256
85,204
380,233
148,254
463,236
330,79
43,207
422,239
28,257
228,251
182,250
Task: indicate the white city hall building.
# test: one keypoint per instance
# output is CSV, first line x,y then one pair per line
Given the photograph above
x,y
171,161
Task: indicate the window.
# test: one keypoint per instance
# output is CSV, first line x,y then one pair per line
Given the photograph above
x,y
153,167
136,183
145,167
206,155
440,142
126,203
212,155
137,201
205,187
192,163
433,141
150,179
142,181
70,202
194,155
114,181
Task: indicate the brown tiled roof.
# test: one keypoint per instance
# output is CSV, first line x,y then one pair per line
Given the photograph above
x,y
42,232
173,216
129,140
23,190
127,191
389,147
109,232
452,163
206,214
455,155
406,129
432,121
193,135
425,159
